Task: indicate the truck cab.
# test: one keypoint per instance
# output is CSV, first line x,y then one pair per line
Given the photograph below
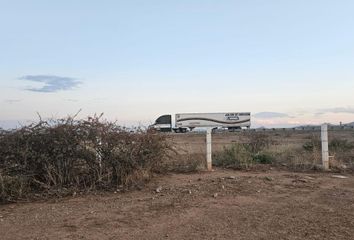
x,y
163,123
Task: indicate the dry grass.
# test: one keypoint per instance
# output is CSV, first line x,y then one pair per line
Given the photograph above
x,y
294,150
184,158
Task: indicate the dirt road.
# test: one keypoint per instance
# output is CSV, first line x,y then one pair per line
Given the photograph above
x,y
219,205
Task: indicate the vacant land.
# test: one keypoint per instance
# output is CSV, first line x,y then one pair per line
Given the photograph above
x,y
264,203
195,142
295,148
223,204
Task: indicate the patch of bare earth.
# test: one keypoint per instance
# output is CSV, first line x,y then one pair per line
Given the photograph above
x,y
223,204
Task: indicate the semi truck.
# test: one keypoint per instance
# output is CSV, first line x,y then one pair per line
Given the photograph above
x,y
184,122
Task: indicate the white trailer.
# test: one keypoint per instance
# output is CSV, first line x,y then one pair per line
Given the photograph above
x,y
187,121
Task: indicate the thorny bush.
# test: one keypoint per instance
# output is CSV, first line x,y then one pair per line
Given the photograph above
x,y
60,157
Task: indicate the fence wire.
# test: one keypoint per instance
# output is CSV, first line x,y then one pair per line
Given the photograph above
x,y
296,147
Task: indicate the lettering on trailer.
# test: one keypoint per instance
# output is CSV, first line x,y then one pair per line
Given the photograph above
x,y
231,116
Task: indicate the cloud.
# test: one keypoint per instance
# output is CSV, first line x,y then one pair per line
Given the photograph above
x,y
71,100
267,115
336,110
12,101
51,83
318,114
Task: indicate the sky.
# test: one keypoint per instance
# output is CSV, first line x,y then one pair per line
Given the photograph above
x,y
287,62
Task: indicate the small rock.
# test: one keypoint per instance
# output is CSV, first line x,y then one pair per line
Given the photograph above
x,y
339,176
215,195
268,178
258,191
309,178
343,166
223,187
189,191
231,177
159,189
299,180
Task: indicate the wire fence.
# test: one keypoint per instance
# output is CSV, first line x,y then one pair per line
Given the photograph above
x,y
284,146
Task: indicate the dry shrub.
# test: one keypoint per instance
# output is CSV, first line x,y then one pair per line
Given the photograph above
x,y
59,157
296,157
236,156
298,160
313,144
257,142
340,145
340,150
12,187
183,157
185,163
183,160
245,155
342,154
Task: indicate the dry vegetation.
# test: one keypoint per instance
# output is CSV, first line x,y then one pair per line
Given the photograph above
x,y
68,156
276,195
291,150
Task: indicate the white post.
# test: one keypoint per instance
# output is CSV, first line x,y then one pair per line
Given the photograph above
x,y
208,148
324,139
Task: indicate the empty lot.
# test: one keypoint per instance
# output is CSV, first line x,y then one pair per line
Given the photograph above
x,y
223,204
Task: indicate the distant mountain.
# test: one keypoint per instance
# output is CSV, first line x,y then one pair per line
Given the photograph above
x,y
350,124
332,126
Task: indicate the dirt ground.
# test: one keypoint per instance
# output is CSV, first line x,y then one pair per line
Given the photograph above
x,y
223,204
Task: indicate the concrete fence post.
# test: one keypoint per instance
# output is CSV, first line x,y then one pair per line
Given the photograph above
x,y
208,149
324,140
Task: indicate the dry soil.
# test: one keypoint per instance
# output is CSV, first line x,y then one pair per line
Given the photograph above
x,y
223,204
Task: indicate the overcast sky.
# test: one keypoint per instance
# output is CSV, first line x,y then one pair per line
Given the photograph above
x,y
288,62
